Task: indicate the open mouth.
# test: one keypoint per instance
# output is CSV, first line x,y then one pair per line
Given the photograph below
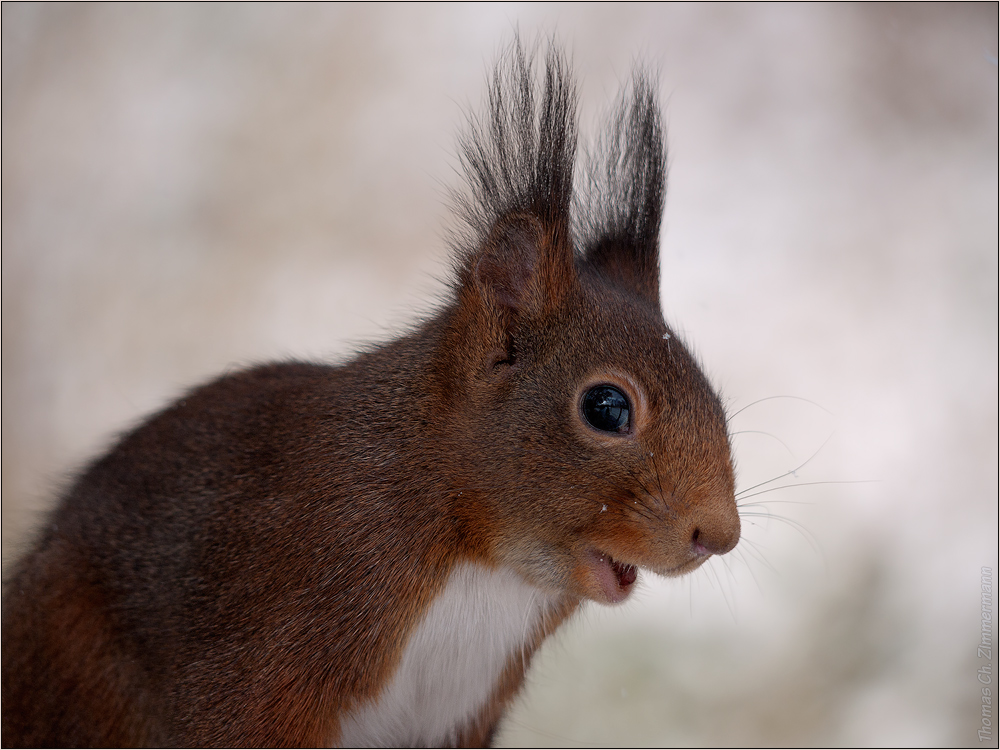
x,y
626,573
614,577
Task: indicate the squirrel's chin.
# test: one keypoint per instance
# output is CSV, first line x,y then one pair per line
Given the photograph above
x,y
683,569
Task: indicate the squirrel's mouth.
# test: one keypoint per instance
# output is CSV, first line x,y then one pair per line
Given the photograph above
x,y
614,577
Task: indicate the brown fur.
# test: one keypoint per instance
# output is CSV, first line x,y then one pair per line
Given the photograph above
x,y
246,567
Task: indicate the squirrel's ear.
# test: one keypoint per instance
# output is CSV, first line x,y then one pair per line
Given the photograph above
x,y
618,218
516,251
522,268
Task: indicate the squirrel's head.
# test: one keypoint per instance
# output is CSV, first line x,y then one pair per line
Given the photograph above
x,y
588,441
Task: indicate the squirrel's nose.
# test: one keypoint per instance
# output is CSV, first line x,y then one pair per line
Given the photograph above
x,y
707,540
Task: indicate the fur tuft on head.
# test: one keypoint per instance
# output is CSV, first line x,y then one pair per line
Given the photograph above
x,y
518,158
618,212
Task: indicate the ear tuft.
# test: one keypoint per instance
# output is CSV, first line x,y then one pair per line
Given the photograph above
x,y
518,158
618,216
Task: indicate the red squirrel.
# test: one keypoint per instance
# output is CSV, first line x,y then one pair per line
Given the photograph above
x,y
369,554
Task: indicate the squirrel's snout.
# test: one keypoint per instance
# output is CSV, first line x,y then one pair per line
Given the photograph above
x,y
716,539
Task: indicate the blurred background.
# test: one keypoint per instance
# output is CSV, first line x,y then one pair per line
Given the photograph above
x,y
188,189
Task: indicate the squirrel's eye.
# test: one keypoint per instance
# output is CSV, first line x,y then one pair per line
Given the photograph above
x,y
606,408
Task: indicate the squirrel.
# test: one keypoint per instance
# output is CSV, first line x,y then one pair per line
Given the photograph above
x,y
370,553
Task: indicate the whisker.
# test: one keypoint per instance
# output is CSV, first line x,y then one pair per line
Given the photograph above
x,y
659,486
763,503
790,472
766,434
652,503
740,496
756,554
632,474
730,602
635,477
640,509
806,534
771,398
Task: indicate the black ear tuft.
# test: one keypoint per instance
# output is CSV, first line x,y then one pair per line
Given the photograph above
x,y
518,160
618,215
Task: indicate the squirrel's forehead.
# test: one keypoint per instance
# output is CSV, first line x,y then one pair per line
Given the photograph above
x,y
631,338
619,316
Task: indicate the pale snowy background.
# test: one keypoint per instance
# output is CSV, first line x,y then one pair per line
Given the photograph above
x,y
187,189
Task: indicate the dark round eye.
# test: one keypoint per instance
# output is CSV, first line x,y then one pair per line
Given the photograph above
x,y
606,409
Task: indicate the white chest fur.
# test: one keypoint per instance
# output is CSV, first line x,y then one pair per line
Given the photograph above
x,y
452,663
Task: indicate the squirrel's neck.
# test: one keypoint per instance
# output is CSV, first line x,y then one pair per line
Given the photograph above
x,y
404,403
